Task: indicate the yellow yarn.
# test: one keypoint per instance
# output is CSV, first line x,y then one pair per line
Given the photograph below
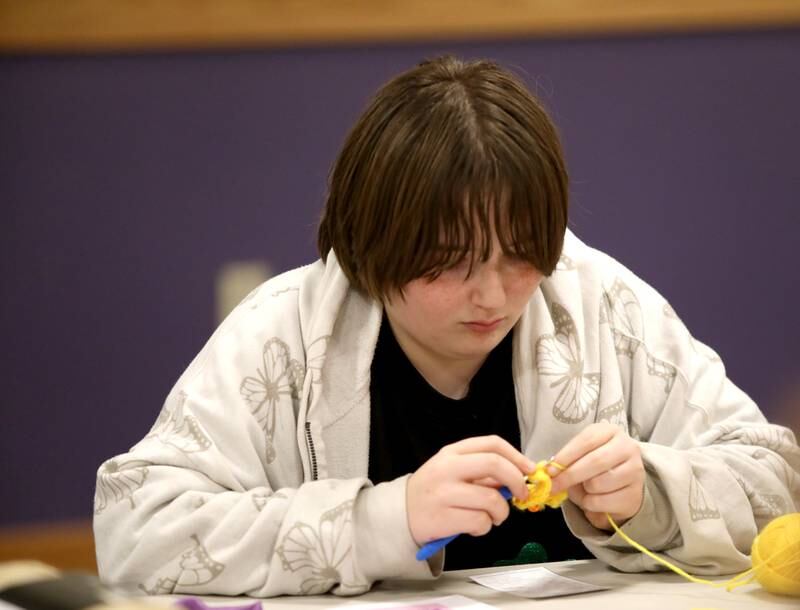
x,y
775,555
775,552
539,486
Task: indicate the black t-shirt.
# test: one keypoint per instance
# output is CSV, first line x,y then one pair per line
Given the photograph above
x,y
410,422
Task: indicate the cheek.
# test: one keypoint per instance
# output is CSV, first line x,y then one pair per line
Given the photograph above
x,y
523,284
436,298
440,303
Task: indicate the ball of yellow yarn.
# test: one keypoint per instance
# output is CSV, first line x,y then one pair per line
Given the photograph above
x,y
776,555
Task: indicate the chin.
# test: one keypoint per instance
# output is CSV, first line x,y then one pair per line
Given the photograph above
x,y
482,345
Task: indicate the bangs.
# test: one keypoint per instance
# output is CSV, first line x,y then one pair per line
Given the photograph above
x,y
469,202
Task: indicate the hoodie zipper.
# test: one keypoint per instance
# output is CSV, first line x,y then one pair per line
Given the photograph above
x,y
311,453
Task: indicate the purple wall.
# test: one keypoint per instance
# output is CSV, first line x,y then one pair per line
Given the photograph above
x,y
126,181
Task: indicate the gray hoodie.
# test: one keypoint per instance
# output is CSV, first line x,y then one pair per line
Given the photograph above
x,y
253,479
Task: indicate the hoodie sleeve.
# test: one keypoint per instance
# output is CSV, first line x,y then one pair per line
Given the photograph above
x,y
214,499
717,470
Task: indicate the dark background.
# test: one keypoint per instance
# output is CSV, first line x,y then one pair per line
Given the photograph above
x,y
127,181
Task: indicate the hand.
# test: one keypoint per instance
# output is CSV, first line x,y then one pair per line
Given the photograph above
x,y
604,474
455,492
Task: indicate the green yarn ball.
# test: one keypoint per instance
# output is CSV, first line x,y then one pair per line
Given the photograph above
x,y
532,552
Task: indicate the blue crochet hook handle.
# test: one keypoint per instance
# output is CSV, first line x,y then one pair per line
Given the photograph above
x,y
430,549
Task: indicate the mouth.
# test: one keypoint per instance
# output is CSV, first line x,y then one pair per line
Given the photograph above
x,y
484,326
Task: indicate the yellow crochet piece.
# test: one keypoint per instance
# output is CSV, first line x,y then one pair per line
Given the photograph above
x,y
539,486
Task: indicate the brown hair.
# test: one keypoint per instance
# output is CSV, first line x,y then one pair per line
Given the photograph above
x,y
444,153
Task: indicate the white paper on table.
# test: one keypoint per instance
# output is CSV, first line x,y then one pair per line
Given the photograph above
x,y
534,583
449,602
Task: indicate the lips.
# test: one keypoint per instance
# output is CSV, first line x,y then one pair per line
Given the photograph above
x,y
483,325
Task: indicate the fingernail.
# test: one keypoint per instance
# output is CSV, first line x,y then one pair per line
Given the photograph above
x,y
552,470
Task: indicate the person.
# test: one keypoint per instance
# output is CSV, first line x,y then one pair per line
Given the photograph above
x,y
453,333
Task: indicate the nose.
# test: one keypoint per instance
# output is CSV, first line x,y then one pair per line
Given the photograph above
x,y
489,291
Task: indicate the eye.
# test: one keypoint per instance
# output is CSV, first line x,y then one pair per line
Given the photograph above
x,y
517,264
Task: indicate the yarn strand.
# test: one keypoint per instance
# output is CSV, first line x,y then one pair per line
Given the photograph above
x,y
763,570
775,559
661,560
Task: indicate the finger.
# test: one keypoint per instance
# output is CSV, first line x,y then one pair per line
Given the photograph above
x,y
477,497
474,466
463,521
493,444
588,439
576,493
596,462
467,521
622,503
598,520
488,482
576,496
479,523
615,478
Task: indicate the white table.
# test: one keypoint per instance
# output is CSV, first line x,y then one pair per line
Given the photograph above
x,y
659,591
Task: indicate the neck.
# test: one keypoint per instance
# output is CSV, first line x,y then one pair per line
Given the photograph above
x,y
448,376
